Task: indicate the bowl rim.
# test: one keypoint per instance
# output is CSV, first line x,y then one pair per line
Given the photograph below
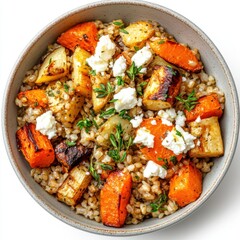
x,y
122,231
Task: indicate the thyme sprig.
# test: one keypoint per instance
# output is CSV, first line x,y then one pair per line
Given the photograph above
x,y
133,71
190,102
104,90
158,204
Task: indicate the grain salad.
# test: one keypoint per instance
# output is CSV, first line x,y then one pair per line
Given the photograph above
x,y
120,121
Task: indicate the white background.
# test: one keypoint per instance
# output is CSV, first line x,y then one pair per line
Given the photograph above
x,y
22,218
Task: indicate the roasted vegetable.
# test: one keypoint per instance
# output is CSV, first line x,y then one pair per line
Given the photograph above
x,y
74,186
186,185
209,140
176,54
162,88
36,147
136,34
34,98
159,154
64,105
100,91
70,156
110,127
114,198
84,35
54,66
80,73
207,106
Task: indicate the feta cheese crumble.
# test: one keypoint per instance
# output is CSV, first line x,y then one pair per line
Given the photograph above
x,y
152,169
46,124
126,99
142,57
169,116
137,121
104,51
179,141
144,137
119,67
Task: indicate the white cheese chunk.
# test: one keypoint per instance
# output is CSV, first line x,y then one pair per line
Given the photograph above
x,y
142,57
180,119
46,124
179,141
136,121
152,169
104,51
144,137
119,67
126,99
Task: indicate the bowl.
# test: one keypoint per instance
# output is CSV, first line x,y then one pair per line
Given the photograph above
x,y
128,11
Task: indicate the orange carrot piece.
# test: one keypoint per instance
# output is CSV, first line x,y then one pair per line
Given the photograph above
x,y
35,146
177,54
83,34
35,98
114,197
208,106
158,152
186,186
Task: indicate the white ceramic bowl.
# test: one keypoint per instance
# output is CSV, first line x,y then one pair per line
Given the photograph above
x,y
129,11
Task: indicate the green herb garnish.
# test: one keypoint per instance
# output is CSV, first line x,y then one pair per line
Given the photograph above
x,y
123,30
157,205
66,87
119,24
70,143
93,72
190,102
140,88
178,133
85,123
120,81
108,112
93,172
106,167
133,71
123,114
173,159
117,145
104,90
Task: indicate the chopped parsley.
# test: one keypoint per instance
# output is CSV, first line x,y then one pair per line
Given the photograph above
x,y
70,143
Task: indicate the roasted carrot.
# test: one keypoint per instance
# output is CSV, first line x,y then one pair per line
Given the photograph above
x,y
35,146
34,98
159,154
177,54
114,198
83,34
208,106
186,186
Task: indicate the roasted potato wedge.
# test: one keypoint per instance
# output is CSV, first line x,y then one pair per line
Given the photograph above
x,y
80,77
70,156
162,88
74,186
136,34
54,66
99,102
110,127
209,140
65,106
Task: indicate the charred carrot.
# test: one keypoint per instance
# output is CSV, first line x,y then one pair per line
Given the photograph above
x,y
177,54
114,198
34,98
207,106
186,186
83,34
159,154
36,147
